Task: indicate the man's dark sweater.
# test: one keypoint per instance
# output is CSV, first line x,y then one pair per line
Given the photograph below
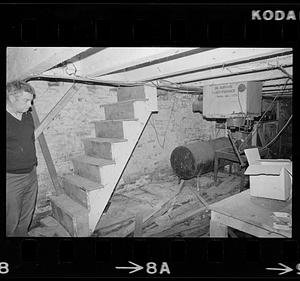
x,y
20,148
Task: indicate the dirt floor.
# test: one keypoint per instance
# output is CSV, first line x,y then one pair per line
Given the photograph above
x,y
165,208
161,208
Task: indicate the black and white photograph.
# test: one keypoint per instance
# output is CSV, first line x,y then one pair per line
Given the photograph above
x,y
149,142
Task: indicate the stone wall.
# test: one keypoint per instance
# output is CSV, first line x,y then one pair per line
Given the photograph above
x,y
175,124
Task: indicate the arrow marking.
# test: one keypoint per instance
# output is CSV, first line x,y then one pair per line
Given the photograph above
x,y
285,269
135,268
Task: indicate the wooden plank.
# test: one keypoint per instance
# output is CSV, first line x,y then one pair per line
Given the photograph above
x,y
199,197
215,60
217,229
255,75
220,221
166,206
261,137
178,228
252,210
179,216
254,135
70,215
176,216
23,62
47,155
174,223
237,69
138,231
164,57
158,211
57,108
184,209
114,226
127,59
60,231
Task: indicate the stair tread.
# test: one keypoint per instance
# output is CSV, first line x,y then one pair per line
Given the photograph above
x,y
83,182
115,120
110,140
94,161
69,205
122,102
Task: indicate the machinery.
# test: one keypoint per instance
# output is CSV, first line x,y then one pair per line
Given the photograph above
x,y
233,106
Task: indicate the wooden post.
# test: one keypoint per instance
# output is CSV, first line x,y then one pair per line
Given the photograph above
x,y
216,167
254,135
279,127
262,136
56,109
138,231
217,229
46,154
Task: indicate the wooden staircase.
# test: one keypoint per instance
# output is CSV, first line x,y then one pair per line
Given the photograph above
x,y
97,172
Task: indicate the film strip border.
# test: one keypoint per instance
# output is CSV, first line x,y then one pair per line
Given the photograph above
x,y
228,25
159,24
154,257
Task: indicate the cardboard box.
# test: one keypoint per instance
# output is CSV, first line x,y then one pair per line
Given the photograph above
x,y
269,178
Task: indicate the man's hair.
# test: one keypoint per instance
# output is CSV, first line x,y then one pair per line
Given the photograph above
x,y
15,87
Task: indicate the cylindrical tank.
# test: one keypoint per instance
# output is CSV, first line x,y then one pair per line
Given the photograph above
x,y
197,157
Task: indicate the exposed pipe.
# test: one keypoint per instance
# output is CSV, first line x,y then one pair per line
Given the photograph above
x,y
89,81
235,74
285,72
278,134
83,80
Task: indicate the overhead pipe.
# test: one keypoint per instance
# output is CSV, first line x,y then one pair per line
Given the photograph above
x,y
236,74
90,81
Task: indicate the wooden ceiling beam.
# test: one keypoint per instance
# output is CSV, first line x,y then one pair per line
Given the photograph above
x,y
23,62
115,59
191,66
153,61
257,75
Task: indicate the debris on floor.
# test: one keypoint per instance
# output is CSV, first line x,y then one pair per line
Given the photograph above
x,y
157,208
164,214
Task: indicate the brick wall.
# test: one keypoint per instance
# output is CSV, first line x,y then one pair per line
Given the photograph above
x,y
175,124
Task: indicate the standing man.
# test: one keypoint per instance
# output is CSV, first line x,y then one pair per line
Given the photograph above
x,y
21,161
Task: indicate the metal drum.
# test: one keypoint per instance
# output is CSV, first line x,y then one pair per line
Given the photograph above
x,y
196,158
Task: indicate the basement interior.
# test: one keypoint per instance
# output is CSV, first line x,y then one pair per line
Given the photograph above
x,y
160,142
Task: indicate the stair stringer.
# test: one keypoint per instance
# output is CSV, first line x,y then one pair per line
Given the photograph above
x,y
111,174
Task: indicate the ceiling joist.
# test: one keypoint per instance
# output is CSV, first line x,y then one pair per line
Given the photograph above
x,y
210,60
256,75
26,61
116,59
